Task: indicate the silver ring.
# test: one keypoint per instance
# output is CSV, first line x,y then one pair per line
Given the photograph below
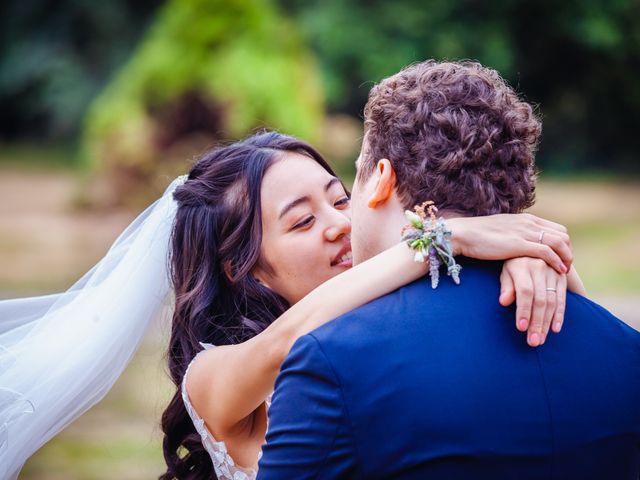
x,y
541,237
551,289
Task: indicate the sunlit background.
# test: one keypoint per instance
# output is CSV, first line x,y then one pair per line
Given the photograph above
x,y
102,103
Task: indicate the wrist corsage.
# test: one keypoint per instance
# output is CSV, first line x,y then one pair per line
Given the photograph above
x,y
431,239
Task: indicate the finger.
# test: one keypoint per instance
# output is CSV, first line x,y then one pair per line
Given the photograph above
x,y
547,225
552,292
546,253
524,299
534,337
561,298
539,225
507,290
560,246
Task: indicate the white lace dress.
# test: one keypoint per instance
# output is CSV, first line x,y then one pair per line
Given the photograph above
x,y
223,464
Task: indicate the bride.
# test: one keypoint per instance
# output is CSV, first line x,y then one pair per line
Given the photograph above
x,y
251,251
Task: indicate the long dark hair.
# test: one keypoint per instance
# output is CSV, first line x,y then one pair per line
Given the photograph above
x,y
215,245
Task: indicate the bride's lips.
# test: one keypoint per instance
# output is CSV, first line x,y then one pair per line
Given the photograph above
x,y
343,258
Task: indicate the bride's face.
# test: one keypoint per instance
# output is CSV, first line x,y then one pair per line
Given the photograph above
x,y
306,227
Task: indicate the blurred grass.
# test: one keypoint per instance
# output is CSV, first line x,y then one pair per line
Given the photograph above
x,y
40,157
597,246
46,243
603,218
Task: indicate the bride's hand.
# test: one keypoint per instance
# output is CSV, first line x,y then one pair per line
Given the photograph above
x,y
540,295
503,236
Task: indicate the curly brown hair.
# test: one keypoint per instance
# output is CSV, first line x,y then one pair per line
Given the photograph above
x,y
455,133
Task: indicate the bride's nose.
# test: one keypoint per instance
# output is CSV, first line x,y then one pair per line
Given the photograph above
x,y
339,226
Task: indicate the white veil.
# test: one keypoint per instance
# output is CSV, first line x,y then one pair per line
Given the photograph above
x,y
60,354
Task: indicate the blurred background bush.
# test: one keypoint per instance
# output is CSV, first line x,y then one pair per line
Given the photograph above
x,y
136,78
102,103
207,70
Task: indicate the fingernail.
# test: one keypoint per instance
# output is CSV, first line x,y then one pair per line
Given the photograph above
x,y
534,339
522,324
557,326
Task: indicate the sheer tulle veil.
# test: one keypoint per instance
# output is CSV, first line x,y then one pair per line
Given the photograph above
x,y
60,354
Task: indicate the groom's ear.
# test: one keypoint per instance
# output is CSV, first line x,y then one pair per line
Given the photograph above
x,y
385,184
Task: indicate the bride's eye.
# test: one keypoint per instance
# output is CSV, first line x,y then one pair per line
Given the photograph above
x,y
304,223
343,202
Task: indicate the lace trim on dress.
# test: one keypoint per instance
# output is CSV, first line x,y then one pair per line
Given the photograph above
x,y
223,464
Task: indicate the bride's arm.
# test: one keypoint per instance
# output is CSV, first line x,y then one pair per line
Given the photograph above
x,y
226,384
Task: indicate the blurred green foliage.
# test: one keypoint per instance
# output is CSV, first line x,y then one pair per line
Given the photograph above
x,y
206,70
579,60
224,66
55,56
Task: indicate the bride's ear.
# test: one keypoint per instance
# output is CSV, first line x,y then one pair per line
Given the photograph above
x,y
260,277
385,183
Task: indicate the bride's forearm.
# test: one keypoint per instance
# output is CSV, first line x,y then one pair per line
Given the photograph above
x,y
239,377
367,281
504,236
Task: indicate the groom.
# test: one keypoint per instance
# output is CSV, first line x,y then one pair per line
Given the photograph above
x,y
426,383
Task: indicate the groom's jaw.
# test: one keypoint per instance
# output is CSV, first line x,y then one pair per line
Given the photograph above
x,y
380,231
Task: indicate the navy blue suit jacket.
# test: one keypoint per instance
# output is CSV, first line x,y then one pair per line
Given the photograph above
x,y
426,383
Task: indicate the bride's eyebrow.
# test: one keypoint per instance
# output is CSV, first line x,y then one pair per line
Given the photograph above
x,y
306,198
293,204
331,183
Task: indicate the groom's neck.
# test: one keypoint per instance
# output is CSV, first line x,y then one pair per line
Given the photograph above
x,y
390,230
